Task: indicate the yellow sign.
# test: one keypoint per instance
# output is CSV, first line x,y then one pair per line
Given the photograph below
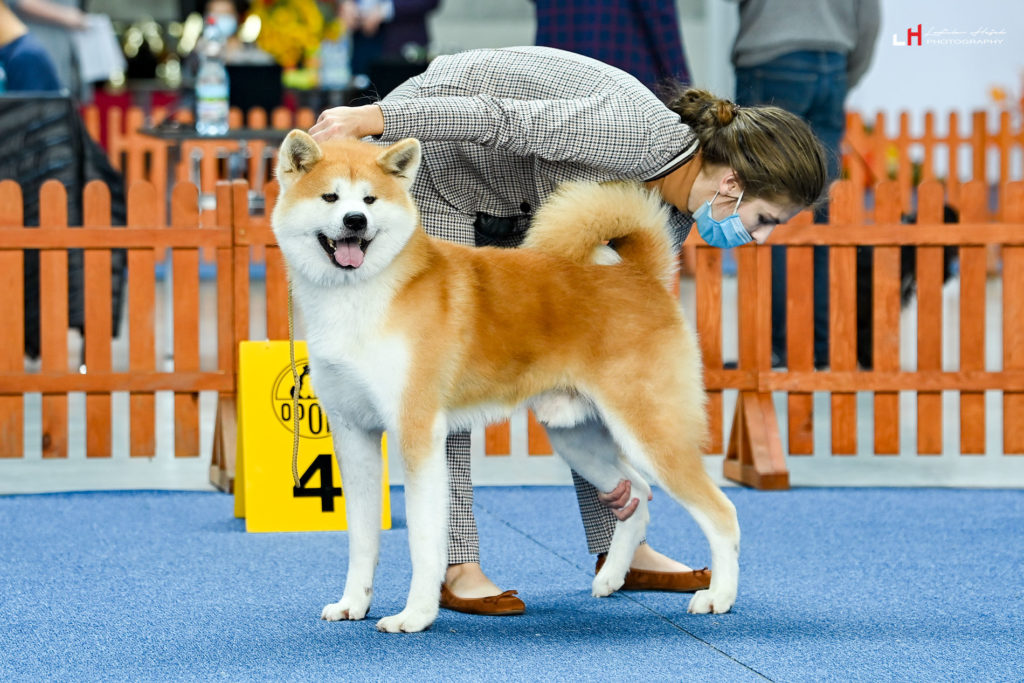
x,y
265,492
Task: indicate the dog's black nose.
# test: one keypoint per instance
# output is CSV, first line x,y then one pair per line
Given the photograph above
x,y
354,220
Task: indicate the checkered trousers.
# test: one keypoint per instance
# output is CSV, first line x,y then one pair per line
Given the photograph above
x,y
463,540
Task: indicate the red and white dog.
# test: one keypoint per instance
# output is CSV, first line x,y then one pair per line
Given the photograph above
x,y
417,336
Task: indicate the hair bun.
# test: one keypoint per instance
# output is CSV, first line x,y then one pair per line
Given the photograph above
x,y
725,111
701,109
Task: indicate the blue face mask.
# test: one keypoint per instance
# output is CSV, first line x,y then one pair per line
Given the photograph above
x,y
226,25
724,234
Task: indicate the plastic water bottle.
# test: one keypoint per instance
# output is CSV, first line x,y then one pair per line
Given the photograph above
x,y
3,79
212,86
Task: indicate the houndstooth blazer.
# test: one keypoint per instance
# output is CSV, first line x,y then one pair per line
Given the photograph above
x,y
502,128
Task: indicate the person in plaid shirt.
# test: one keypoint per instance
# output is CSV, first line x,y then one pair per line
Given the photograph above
x,y
500,129
641,37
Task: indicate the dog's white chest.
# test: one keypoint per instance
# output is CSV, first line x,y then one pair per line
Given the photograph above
x,y
358,370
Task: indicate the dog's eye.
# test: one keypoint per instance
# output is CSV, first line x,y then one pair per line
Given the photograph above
x,y
329,198
369,199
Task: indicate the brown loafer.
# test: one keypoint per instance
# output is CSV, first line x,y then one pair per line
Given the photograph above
x,y
677,582
504,605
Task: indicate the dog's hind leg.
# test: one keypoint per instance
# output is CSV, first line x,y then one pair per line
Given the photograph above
x,y
589,449
359,459
426,505
660,430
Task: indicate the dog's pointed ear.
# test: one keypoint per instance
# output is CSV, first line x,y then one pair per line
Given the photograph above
x,y
402,159
298,154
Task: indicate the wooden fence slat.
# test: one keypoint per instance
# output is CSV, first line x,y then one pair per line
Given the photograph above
x,y
498,439
98,238
880,150
276,277
929,319
59,382
904,171
886,320
856,149
226,347
536,437
53,318
185,267
979,144
142,206
708,269
856,380
281,117
889,234
1004,143
928,141
277,294
748,301
747,315
847,206
953,160
98,322
12,341
115,137
1013,323
305,118
973,268
134,153
800,337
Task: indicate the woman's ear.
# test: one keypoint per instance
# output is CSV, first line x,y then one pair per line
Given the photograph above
x,y
729,184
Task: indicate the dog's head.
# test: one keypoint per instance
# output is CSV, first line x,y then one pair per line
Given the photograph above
x,y
344,212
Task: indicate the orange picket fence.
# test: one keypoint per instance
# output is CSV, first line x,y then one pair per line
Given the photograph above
x,y
235,238
755,456
872,154
148,365
202,162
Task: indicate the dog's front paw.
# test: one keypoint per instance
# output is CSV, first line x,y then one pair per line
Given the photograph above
x,y
346,608
706,601
605,584
408,621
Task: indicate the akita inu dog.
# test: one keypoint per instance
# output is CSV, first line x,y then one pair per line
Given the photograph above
x,y
417,336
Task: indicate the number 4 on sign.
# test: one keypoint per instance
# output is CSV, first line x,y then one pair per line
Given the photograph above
x,y
265,491
327,491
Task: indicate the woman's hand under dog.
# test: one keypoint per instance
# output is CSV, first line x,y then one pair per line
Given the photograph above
x,y
350,122
619,501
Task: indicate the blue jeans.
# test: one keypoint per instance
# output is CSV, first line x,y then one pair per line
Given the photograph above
x,y
813,86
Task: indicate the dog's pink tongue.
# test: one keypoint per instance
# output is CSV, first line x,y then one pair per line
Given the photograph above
x,y
348,254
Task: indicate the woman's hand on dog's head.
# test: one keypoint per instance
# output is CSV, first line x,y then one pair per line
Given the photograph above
x,y
350,122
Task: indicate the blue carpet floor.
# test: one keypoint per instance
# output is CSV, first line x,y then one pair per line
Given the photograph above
x,y
836,584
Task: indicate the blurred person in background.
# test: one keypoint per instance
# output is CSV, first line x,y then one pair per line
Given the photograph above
x,y
804,56
387,36
641,37
51,23
27,66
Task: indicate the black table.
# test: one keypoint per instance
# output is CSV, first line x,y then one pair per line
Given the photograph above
x,y
178,134
187,133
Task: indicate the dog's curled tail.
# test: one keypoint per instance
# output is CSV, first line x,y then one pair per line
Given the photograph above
x,y
579,218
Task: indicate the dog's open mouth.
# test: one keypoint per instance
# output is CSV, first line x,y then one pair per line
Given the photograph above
x,y
346,253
